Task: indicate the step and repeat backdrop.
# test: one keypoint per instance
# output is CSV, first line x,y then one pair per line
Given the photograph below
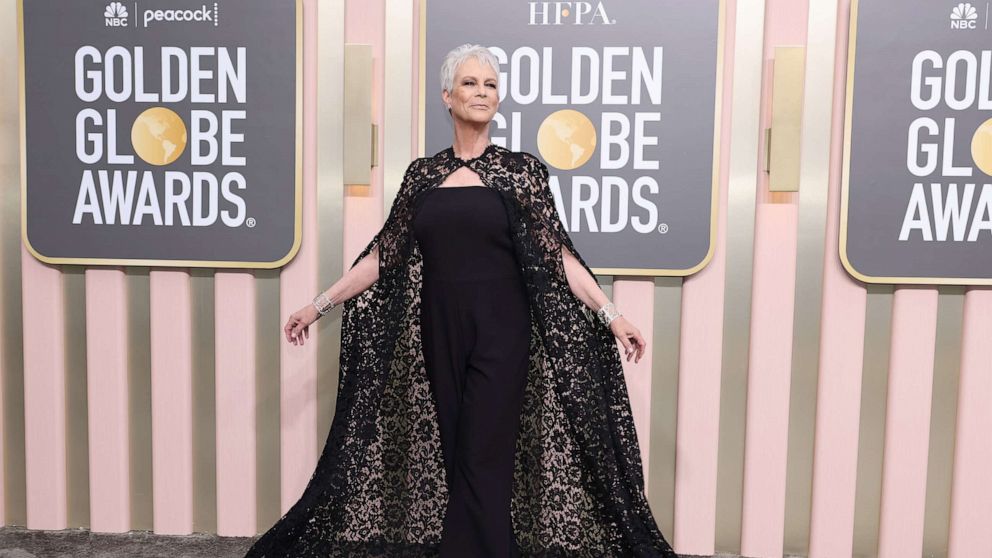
x,y
161,133
917,198
619,99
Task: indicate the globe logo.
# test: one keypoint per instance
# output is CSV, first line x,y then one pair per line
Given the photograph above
x,y
158,136
566,139
981,147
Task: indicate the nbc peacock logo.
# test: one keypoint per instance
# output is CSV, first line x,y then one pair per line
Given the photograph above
x,y
964,16
115,15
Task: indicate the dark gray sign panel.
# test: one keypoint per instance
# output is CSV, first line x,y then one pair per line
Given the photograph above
x,y
162,133
916,196
619,99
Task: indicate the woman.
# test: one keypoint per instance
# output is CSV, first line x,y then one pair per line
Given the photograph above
x,y
481,407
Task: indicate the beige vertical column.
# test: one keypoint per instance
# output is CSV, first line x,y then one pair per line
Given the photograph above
x,y
11,482
748,43
811,271
399,98
329,184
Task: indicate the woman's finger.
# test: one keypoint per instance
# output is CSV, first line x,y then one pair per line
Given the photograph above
x,y
640,344
624,342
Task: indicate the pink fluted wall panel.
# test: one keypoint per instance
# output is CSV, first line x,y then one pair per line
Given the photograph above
x,y
172,401
107,400
769,379
234,324
44,393
907,421
971,491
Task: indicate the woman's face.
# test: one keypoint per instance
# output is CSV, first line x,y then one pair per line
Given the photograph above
x,y
475,97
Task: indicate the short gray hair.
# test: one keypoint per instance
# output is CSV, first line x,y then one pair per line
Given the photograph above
x,y
457,55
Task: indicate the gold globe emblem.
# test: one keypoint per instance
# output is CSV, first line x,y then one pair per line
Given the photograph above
x,y
981,147
566,139
158,136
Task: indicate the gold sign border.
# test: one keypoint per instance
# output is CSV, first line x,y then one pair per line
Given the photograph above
x,y
715,176
297,227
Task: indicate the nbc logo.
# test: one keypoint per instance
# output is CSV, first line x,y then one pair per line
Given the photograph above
x,y
115,15
964,16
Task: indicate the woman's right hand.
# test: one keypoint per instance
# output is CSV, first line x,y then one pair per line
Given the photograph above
x,y
297,328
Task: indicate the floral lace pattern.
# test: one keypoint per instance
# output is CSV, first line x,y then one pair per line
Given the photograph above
x,y
378,489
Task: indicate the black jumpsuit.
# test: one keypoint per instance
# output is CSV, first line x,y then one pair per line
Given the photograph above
x,y
476,336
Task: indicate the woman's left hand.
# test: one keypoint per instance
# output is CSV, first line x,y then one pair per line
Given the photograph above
x,y
629,337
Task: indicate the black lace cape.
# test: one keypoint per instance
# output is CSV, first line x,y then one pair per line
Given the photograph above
x,y
378,488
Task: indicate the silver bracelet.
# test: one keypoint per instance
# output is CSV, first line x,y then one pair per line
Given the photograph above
x,y
323,304
608,313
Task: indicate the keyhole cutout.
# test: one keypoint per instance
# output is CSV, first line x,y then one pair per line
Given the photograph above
x,y
461,177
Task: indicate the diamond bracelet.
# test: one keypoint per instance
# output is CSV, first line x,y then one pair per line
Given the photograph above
x,y
608,313
323,304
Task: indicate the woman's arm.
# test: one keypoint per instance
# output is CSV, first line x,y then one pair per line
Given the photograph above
x,y
583,285
550,232
360,277
386,253
585,288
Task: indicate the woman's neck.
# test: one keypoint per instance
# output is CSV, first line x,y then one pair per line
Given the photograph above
x,y
470,141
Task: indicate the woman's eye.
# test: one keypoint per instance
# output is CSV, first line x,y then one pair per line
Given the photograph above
x,y
493,85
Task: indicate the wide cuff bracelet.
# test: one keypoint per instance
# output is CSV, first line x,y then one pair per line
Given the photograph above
x,y
608,313
322,304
